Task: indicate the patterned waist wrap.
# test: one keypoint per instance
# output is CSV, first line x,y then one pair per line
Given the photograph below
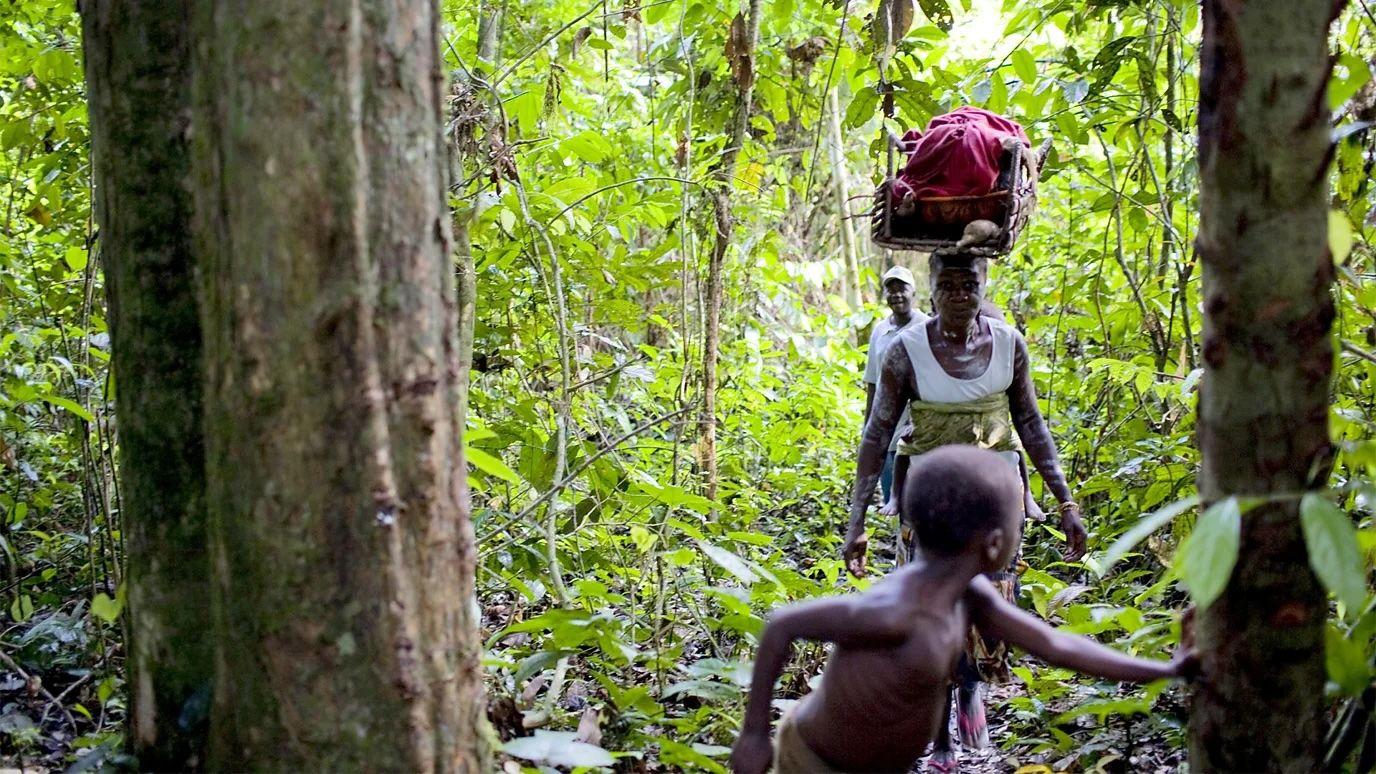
x,y
986,423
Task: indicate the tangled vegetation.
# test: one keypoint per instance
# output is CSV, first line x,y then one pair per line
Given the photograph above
x,y
619,603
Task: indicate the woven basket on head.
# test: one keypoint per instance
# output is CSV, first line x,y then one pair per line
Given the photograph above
x,y
936,223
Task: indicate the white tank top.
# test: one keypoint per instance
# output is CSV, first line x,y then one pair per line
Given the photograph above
x,y
936,386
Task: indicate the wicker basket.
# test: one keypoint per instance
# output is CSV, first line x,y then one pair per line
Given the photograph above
x,y
937,223
959,210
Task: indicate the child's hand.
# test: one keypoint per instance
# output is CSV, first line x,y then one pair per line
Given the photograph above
x,y
752,754
1185,663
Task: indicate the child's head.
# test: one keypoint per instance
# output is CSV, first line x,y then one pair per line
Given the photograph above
x,y
963,499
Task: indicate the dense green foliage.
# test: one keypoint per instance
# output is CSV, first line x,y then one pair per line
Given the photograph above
x,y
585,150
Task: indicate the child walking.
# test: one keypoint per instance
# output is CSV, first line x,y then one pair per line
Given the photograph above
x,y
886,683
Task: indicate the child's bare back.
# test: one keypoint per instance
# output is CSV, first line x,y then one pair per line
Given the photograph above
x,y
896,645
857,688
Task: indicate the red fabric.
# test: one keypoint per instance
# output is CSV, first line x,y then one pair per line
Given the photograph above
x,y
958,155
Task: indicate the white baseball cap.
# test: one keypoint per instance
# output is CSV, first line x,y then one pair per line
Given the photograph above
x,y
901,273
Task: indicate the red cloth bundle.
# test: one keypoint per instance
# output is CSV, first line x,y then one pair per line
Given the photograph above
x,y
958,155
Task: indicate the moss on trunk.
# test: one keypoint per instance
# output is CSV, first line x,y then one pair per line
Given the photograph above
x,y
138,86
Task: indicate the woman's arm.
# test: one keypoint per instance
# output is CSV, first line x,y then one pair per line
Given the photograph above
x,y
1036,439
890,398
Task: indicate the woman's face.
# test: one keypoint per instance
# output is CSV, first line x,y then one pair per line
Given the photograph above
x,y
957,294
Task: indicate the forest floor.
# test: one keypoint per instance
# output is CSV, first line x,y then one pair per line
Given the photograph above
x,y
1124,747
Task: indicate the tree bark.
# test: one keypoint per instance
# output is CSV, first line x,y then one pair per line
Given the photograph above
x,y
490,16
1264,154
725,222
138,86
341,545
850,269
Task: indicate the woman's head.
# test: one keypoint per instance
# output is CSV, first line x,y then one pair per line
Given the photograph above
x,y
965,500
958,283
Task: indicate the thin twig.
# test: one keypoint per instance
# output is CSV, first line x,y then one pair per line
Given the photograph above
x,y
1353,349
81,680
36,683
536,48
610,372
822,103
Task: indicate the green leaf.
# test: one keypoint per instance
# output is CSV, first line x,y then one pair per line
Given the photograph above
x,y
938,12
21,608
69,405
998,94
1339,236
753,538
1208,557
105,608
508,221
1109,59
557,748
729,562
1070,127
1144,527
588,146
861,108
75,258
1025,66
643,538
1341,89
491,465
105,690
1333,551
1345,661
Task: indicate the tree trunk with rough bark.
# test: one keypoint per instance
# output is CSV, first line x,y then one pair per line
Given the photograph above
x,y
836,149
745,33
138,87
341,546
1264,153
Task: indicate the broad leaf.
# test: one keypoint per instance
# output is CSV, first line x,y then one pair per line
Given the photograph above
x,y
1339,236
1025,66
729,562
557,748
1333,551
1346,662
491,465
1208,557
1143,528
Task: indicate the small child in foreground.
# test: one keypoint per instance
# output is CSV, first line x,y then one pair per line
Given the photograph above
x,y
888,677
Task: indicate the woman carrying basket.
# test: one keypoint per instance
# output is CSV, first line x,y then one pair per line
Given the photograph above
x,y
966,379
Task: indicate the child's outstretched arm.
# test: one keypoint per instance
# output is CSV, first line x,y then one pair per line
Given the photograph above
x,y
996,617
850,621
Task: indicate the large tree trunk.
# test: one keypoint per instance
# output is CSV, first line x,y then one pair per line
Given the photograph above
x,y
138,85
1264,153
341,544
745,31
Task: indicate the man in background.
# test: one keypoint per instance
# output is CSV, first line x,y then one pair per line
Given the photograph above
x,y
899,288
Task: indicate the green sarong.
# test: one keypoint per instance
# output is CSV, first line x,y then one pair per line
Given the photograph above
x,y
986,423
